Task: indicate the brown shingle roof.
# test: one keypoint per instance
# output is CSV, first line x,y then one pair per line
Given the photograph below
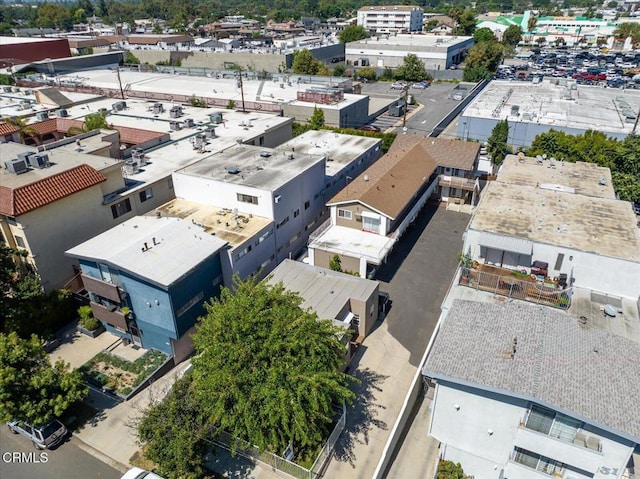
x,y
88,42
155,39
391,182
14,202
452,153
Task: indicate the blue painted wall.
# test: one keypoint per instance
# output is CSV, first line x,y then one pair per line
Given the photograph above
x,y
155,309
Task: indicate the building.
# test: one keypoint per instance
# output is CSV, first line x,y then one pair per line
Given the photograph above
x,y
457,165
372,211
560,222
437,52
534,108
57,200
19,50
347,300
346,155
439,24
527,391
148,279
285,187
391,19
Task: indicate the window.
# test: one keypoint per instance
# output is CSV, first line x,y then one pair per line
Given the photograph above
x,y
146,195
170,183
105,272
296,213
244,252
247,198
307,204
19,241
453,192
261,140
264,236
121,208
294,239
346,214
217,280
282,223
371,224
265,263
190,304
537,461
559,261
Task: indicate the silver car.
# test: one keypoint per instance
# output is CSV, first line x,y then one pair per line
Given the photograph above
x,y
42,437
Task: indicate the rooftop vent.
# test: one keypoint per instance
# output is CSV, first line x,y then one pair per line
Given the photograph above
x,y
233,170
602,181
16,166
119,105
62,113
265,154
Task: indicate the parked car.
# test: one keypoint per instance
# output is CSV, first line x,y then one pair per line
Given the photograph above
x,y
137,473
369,128
42,437
398,85
420,85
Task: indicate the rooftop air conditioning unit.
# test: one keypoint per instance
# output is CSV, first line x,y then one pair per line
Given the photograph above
x,y
189,123
175,125
119,105
16,166
42,115
158,108
210,132
24,156
39,160
62,113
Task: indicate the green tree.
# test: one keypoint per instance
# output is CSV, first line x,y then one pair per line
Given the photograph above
x,y
483,35
317,119
53,15
512,35
339,70
92,121
626,30
131,58
31,389
476,73
352,33
305,63
266,370
175,432
467,23
335,264
497,144
368,73
25,131
412,69
449,470
483,58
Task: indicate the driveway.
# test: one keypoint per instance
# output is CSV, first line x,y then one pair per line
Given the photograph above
x,y
417,276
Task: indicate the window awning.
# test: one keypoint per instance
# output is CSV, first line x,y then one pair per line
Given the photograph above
x,y
506,243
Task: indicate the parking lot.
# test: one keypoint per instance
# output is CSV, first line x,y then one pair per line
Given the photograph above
x,y
433,103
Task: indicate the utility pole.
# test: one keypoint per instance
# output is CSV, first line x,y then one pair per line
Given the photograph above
x,y
241,88
635,124
406,106
120,82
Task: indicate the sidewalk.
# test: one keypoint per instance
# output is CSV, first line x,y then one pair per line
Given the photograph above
x,y
113,432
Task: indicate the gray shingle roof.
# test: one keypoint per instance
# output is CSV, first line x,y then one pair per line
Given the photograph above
x,y
578,369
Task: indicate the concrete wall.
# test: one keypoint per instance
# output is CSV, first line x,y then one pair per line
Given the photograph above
x,y
367,311
215,60
262,255
351,115
323,258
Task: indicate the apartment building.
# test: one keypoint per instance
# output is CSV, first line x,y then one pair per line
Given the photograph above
x,y
391,19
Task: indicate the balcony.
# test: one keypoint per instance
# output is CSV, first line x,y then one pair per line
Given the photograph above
x,y
102,288
457,182
109,315
514,284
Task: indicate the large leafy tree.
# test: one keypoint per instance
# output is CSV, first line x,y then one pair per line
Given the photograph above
x,y
53,15
352,33
317,119
31,388
512,35
467,23
497,144
305,63
482,61
412,69
175,432
268,371
483,35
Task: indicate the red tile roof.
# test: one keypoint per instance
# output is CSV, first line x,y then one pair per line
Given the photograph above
x,y
14,202
7,128
136,136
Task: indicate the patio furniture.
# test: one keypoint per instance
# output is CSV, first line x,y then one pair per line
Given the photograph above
x,y
540,268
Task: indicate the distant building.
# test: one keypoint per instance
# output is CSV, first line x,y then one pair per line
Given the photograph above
x,y
148,279
437,52
18,50
391,19
527,391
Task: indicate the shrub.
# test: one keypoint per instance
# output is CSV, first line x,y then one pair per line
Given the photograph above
x,y
231,105
90,324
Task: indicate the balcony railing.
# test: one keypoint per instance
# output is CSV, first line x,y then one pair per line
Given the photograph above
x,y
102,288
109,315
568,433
511,286
457,182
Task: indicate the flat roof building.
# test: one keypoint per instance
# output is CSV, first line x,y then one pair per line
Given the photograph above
x,y
559,104
391,18
435,51
563,215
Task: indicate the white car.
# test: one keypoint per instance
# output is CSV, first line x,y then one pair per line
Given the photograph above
x,y
42,437
137,473
399,85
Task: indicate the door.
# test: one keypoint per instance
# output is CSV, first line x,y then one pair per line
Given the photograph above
x,y
135,334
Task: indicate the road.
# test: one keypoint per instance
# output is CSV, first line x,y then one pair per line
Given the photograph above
x,y
67,461
435,103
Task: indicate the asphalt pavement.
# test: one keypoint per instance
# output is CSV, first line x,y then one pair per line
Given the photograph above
x,y
20,460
